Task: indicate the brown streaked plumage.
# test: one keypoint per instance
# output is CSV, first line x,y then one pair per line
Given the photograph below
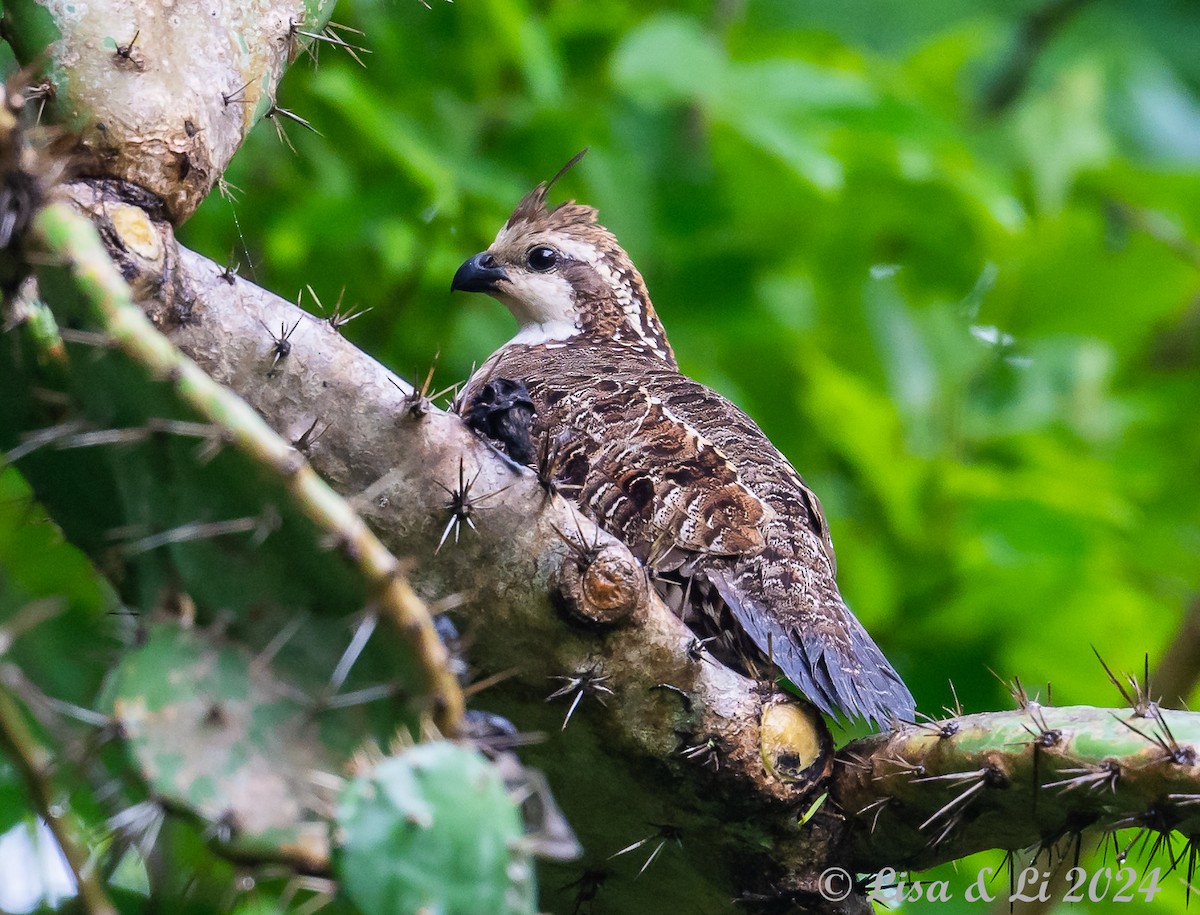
x,y
734,537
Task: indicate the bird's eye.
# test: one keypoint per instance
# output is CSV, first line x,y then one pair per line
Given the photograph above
x,y
542,258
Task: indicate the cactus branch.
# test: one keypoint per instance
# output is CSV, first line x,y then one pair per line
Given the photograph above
x,y
165,105
921,796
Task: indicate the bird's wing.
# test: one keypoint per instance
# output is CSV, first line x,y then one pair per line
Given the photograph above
x,y
759,463
785,595
650,477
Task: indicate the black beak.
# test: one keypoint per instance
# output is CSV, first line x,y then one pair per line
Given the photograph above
x,y
479,274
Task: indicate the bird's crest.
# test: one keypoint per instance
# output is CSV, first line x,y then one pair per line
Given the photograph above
x,y
533,211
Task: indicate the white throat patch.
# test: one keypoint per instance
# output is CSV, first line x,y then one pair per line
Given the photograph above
x,y
558,331
538,298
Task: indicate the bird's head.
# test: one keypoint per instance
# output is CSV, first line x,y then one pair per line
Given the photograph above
x,y
563,275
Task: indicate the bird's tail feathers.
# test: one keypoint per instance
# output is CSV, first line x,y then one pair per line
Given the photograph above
x,y
837,665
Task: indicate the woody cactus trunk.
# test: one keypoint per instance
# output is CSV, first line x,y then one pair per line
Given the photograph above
x,y
264,683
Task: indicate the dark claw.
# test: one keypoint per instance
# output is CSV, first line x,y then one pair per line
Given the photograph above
x,y
480,725
450,637
503,411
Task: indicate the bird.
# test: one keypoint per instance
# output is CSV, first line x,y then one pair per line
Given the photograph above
x,y
732,536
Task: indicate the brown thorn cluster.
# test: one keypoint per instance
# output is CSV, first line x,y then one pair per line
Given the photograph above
x,y
462,504
577,685
1137,695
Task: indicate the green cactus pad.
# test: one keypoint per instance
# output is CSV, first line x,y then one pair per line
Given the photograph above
x,y
434,830
214,732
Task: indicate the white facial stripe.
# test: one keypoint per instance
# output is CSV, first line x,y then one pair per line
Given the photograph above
x,y
590,254
575,249
630,305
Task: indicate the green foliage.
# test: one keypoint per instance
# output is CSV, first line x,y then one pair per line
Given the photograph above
x,y
434,829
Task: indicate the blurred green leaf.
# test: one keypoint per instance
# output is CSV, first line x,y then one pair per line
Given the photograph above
x,y
670,59
1062,133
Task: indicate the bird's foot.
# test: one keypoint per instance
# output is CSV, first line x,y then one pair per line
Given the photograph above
x,y
503,412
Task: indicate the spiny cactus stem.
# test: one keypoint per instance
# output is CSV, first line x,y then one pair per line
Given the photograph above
x,y
72,238
926,794
35,762
160,102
